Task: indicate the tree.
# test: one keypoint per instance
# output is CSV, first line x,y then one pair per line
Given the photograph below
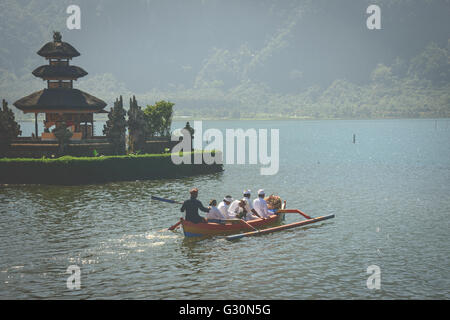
x,y
432,64
382,75
115,127
159,118
236,114
9,128
399,67
137,127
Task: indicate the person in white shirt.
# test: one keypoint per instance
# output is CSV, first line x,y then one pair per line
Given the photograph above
x,y
214,214
234,209
260,205
224,205
237,209
251,213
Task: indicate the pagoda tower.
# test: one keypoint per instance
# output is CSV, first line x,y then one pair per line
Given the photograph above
x,y
60,102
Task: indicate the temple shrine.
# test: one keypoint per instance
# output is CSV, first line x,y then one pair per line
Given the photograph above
x,y
60,102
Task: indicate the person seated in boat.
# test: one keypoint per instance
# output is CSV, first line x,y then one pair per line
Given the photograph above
x,y
192,206
260,205
224,206
237,209
241,209
252,214
214,214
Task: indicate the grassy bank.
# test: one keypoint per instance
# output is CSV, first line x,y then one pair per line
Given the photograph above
x,y
85,170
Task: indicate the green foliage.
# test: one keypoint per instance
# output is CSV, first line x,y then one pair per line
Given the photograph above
x,y
159,118
81,170
236,114
137,127
237,80
382,75
9,128
406,89
115,127
432,64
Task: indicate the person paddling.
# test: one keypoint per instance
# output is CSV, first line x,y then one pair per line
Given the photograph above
x,y
192,206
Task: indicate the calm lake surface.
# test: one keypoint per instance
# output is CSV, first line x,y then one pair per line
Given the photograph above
x,y
390,192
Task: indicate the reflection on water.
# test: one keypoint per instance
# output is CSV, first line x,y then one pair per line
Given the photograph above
x,y
389,192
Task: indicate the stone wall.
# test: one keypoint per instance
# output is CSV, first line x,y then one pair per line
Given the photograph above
x,y
29,148
38,149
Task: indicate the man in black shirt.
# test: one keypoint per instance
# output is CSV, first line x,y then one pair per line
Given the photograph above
x,y
191,207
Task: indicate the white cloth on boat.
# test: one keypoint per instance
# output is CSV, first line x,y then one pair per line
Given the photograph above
x,y
260,205
215,213
223,208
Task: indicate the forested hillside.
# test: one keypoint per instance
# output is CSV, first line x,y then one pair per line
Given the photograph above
x,y
243,59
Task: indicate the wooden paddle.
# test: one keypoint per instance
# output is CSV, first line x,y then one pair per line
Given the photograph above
x,y
176,225
166,200
241,220
248,224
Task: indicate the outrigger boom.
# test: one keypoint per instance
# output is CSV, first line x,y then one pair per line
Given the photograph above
x,y
279,228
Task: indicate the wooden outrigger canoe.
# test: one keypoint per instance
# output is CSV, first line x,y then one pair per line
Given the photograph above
x,y
237,228
231,226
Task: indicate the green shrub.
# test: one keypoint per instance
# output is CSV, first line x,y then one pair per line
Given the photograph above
x,y
70,170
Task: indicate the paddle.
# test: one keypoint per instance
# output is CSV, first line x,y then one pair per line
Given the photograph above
x,y
245,222
165,200
175,225
169,201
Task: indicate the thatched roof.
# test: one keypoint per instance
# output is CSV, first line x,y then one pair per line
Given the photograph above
x,y
58,49
59,72
61,99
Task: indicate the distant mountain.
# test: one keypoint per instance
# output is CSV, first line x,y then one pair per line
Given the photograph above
x,y
225,55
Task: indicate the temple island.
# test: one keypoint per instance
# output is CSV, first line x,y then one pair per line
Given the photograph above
x,y
68,151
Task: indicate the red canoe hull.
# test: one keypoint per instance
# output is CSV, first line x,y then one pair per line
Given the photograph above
x,y
213,229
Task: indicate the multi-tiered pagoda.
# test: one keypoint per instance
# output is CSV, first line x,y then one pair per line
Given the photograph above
x,y
60,102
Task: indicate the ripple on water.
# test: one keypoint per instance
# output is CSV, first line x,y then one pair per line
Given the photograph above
x,y
389,193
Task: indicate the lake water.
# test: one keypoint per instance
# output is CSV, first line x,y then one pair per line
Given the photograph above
x,y
390,192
